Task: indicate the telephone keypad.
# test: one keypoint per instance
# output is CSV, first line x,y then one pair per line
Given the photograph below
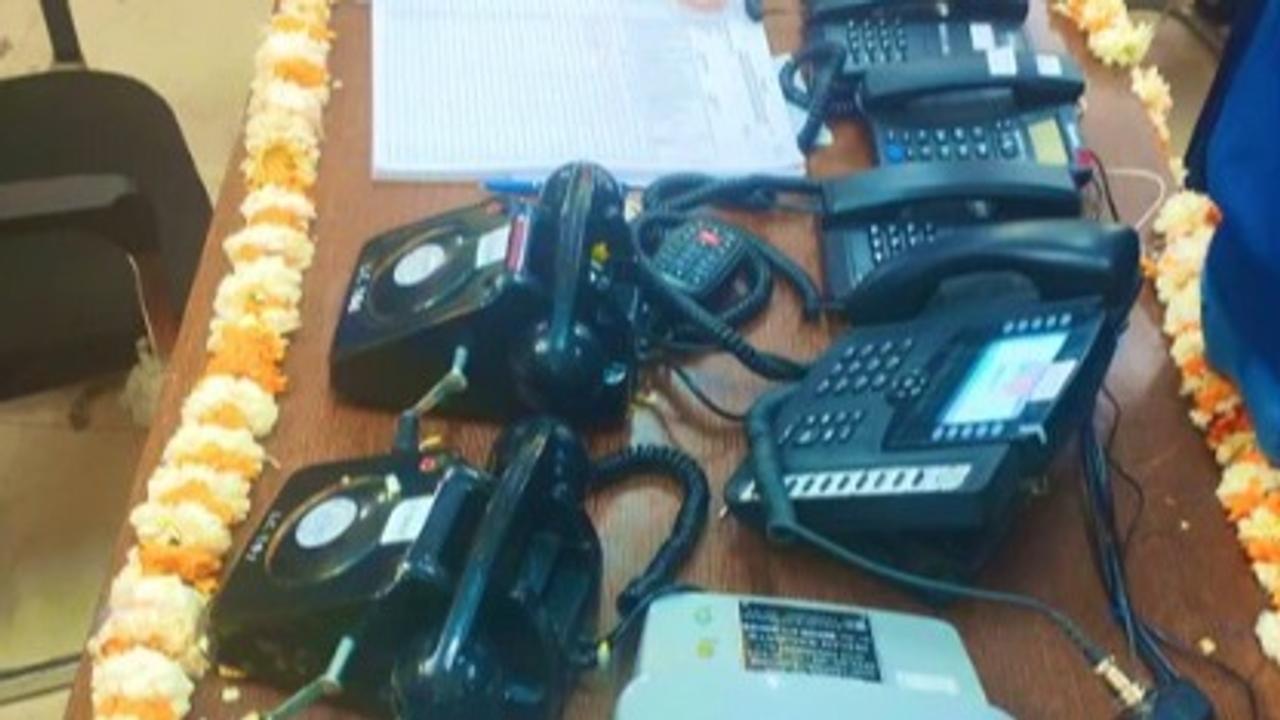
x,y
825,428
891,239
876,41
699,255
956,142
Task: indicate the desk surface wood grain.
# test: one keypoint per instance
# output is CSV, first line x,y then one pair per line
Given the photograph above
x,y
1187,572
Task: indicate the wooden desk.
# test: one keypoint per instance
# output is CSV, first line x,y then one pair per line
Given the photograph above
x,y
1188,575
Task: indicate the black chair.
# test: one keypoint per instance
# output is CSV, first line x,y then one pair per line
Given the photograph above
x,y
102,219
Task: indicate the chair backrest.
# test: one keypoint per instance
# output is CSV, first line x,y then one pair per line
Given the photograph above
x,y
1235,158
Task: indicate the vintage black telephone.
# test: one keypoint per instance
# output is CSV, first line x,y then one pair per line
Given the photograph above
x,y
413,584
913,437
1001,105
874,33
874,217
531,292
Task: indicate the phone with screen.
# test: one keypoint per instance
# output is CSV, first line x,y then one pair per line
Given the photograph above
x,y
969,365
1004,104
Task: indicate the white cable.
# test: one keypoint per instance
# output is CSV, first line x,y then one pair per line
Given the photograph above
x,y
1150,176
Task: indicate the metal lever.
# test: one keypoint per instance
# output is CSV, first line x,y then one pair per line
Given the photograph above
x,y
328,684
454,382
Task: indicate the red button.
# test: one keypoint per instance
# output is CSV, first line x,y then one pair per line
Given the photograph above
x,y
708,237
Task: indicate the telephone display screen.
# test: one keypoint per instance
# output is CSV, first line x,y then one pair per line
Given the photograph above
x,y
1003,379
1047,142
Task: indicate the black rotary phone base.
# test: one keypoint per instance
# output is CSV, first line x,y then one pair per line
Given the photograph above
x,y
448,592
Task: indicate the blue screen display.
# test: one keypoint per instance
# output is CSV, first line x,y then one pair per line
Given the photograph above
x,y
1003,378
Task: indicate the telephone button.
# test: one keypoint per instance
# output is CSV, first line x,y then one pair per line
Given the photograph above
x,y
940,135
922,136
892,362
845,433
944,152
809,420
878,381
860,383
823,388
926,152
787,433
828,436
807,437
982,150
873,364
895,153
962,152
841,385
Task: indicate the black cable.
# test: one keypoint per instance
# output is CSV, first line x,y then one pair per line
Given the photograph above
x,y
765,364
689,522
707,401
1100,512
783,526
826,60
1106,185
1235,676
1126,543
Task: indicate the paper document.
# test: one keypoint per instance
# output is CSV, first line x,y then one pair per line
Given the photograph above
x,y
478,89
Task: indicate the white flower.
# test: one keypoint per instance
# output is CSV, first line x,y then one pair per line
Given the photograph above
x,y
139,675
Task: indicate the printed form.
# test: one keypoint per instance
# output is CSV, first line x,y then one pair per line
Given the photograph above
x,y
484,89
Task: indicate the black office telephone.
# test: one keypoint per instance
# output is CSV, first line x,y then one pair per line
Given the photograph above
x,y
968,367
1000,105
875,33
529,290
873,217
416,585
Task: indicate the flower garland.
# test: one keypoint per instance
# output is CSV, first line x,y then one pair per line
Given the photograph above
x,y
1249,489
148,650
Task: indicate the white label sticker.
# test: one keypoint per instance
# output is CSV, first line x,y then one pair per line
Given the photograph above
x,y
1055,377
326,522
1049,65
407,520
492,247
418,264
982,36
1002,62
927,682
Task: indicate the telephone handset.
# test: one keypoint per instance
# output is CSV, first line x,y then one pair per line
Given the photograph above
x,y
829,10
425,587
967,368
878,33
872,217
1001,105
529,290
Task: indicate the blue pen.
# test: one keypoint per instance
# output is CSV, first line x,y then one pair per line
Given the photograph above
x,y
501,186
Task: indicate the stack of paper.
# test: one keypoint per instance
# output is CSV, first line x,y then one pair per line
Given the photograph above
x,y
514,88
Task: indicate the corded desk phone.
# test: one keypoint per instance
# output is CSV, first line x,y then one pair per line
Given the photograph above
x,y
1000,105
874,217
875,33
968,368
413,584
528,290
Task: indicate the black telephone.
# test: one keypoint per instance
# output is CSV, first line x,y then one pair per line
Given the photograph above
x,y
530,292
873,217
876,33
1010,106
969,366
423,587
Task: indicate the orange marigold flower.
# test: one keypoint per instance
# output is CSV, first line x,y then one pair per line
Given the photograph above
x,y
151,708
199,568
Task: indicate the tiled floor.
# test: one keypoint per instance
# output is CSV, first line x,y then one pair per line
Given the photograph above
x,y
62,492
